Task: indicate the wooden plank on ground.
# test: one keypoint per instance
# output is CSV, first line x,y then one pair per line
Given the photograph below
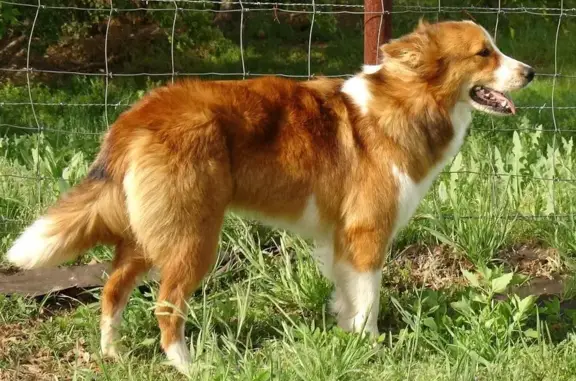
x,y
40,282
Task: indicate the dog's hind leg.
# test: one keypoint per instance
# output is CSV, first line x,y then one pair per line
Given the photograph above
x,y
176,208
128,265
189,262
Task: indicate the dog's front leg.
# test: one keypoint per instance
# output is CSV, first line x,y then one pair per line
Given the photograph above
x,y
357,272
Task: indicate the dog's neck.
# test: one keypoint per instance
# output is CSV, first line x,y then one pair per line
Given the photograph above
x,y
407,112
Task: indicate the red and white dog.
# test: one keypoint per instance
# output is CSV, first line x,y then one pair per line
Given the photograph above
x,y
344,162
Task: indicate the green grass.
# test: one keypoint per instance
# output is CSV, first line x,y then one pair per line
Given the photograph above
x,y
265,317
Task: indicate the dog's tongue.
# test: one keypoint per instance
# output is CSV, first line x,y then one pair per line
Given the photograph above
x,y
503,100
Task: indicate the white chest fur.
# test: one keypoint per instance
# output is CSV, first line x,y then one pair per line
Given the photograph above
x,y
411,192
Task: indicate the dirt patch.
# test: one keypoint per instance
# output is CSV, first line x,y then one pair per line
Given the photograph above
x,y
436,267
137,42
532,259
23,362
127,39
13,344
440,267
8,270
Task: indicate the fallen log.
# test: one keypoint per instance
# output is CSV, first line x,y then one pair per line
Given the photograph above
x,y
39,282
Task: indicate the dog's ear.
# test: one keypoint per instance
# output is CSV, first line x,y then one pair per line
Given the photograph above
x,y
413,50
408,51
423,25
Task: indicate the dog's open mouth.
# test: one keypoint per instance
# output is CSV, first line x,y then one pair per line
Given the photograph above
x,y
492,100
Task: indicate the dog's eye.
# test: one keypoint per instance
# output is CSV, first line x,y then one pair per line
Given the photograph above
x,y
483,53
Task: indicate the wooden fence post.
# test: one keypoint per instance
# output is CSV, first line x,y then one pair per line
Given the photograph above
x,y
377,28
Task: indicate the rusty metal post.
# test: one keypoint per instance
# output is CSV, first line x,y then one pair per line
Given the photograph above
x,y
377,28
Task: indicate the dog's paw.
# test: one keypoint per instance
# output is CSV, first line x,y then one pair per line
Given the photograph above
x,y
112,351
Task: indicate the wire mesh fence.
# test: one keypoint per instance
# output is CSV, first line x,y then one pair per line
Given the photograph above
x,y
245,39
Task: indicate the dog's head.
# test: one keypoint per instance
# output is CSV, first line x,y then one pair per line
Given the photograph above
x,y
460,60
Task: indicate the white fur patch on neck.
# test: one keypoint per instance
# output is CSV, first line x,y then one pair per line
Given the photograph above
x,y
461,117
371,69
410,192
357,89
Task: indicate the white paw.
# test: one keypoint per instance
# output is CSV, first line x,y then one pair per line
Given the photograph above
x,y
109,335
358,324
179,356
338,304
110,351
356,299
351,321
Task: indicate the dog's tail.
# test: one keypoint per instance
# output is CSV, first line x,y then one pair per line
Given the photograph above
x,y
78,221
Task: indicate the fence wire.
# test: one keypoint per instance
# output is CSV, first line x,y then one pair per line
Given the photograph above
x,y
176,8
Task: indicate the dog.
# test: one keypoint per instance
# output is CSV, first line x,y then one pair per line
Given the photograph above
x,y
342,161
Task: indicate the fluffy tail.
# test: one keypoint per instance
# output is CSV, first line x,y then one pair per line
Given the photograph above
x,y
74,224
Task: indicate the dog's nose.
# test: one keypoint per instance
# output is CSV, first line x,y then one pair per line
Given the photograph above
x,y
529,73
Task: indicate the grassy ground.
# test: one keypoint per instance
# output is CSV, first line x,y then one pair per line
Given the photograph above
x,y
263,318
261,314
